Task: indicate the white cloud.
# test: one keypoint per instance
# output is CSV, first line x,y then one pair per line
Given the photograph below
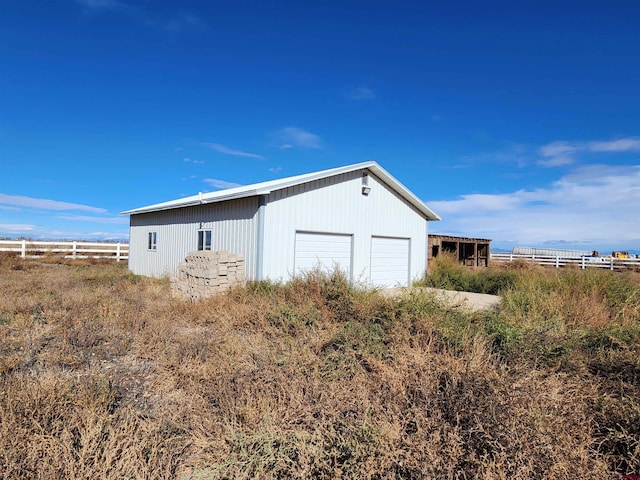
x,y
96,236
482,203
275,169
557,154
14,228
362,93
88,218
229,151
190,160
557,161
563,153
558,148
592,172
216,183
290,137
578,208
45,204
630,144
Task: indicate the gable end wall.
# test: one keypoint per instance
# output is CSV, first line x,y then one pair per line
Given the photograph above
x,y
337,205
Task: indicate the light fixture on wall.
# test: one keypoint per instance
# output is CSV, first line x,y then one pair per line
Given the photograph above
x,y
366,189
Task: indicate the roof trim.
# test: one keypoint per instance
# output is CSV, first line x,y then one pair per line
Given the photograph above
x,y
265,188
443,236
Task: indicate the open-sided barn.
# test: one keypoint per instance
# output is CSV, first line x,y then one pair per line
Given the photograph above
x,y
472,252
357,217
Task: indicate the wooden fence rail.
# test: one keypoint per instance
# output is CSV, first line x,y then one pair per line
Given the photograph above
x,y
609,263
30,248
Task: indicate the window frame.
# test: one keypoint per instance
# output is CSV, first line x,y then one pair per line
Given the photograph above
x,y
205,240
152,241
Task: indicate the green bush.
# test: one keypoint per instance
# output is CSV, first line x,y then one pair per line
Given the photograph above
x,y
446,273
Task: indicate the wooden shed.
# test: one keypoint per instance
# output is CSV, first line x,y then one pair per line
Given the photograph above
x,y
473,252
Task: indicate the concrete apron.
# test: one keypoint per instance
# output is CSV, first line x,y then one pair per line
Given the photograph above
x,y
467,300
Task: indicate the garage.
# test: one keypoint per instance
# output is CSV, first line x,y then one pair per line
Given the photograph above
x,y
390,261
356,217
326,250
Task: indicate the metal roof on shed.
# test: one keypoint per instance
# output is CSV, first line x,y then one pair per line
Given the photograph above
x,y
264,188
455,238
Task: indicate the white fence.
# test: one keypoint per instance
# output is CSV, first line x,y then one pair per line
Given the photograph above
x,y
29,248
609,263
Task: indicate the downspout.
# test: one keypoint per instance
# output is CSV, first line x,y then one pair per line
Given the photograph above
x,y
262,202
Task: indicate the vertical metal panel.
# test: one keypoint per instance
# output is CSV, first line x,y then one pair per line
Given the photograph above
x,y
337,205
233,226
262,203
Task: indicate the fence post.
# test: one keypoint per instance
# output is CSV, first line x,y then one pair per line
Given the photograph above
x,y
557,261
118,252
74,249
583,265
511,257
23,253
611,263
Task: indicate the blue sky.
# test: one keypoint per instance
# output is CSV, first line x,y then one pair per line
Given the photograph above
x,y
516,121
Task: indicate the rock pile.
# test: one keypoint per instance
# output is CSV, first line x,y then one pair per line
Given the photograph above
x,y
206,273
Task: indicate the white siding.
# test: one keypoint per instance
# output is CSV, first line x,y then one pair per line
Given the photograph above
x,y
322,250
337,205
390,259
233,225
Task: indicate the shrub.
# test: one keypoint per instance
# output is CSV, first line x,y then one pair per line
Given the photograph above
x,y
446,273
104,374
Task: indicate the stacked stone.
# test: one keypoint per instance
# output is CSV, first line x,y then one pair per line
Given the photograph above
x,y
206,273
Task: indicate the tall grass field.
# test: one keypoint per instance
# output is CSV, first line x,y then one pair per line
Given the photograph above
x,y
104,374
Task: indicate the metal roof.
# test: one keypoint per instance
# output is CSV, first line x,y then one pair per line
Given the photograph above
x,y
264,188
456,238
550,252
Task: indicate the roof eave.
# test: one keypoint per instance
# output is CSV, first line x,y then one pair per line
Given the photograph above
x,y
372,166
190,203
404,192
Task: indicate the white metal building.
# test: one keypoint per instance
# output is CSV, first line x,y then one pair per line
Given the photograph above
x,y
357,217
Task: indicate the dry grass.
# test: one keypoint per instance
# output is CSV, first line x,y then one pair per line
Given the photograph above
x,y
104,375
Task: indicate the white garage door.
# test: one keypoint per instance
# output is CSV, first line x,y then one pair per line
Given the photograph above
x,y
326,250
390,261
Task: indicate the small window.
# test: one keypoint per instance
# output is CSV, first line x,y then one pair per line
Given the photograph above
x,y
204,239
153,241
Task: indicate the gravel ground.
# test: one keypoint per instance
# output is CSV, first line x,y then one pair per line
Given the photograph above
x,y
468,300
